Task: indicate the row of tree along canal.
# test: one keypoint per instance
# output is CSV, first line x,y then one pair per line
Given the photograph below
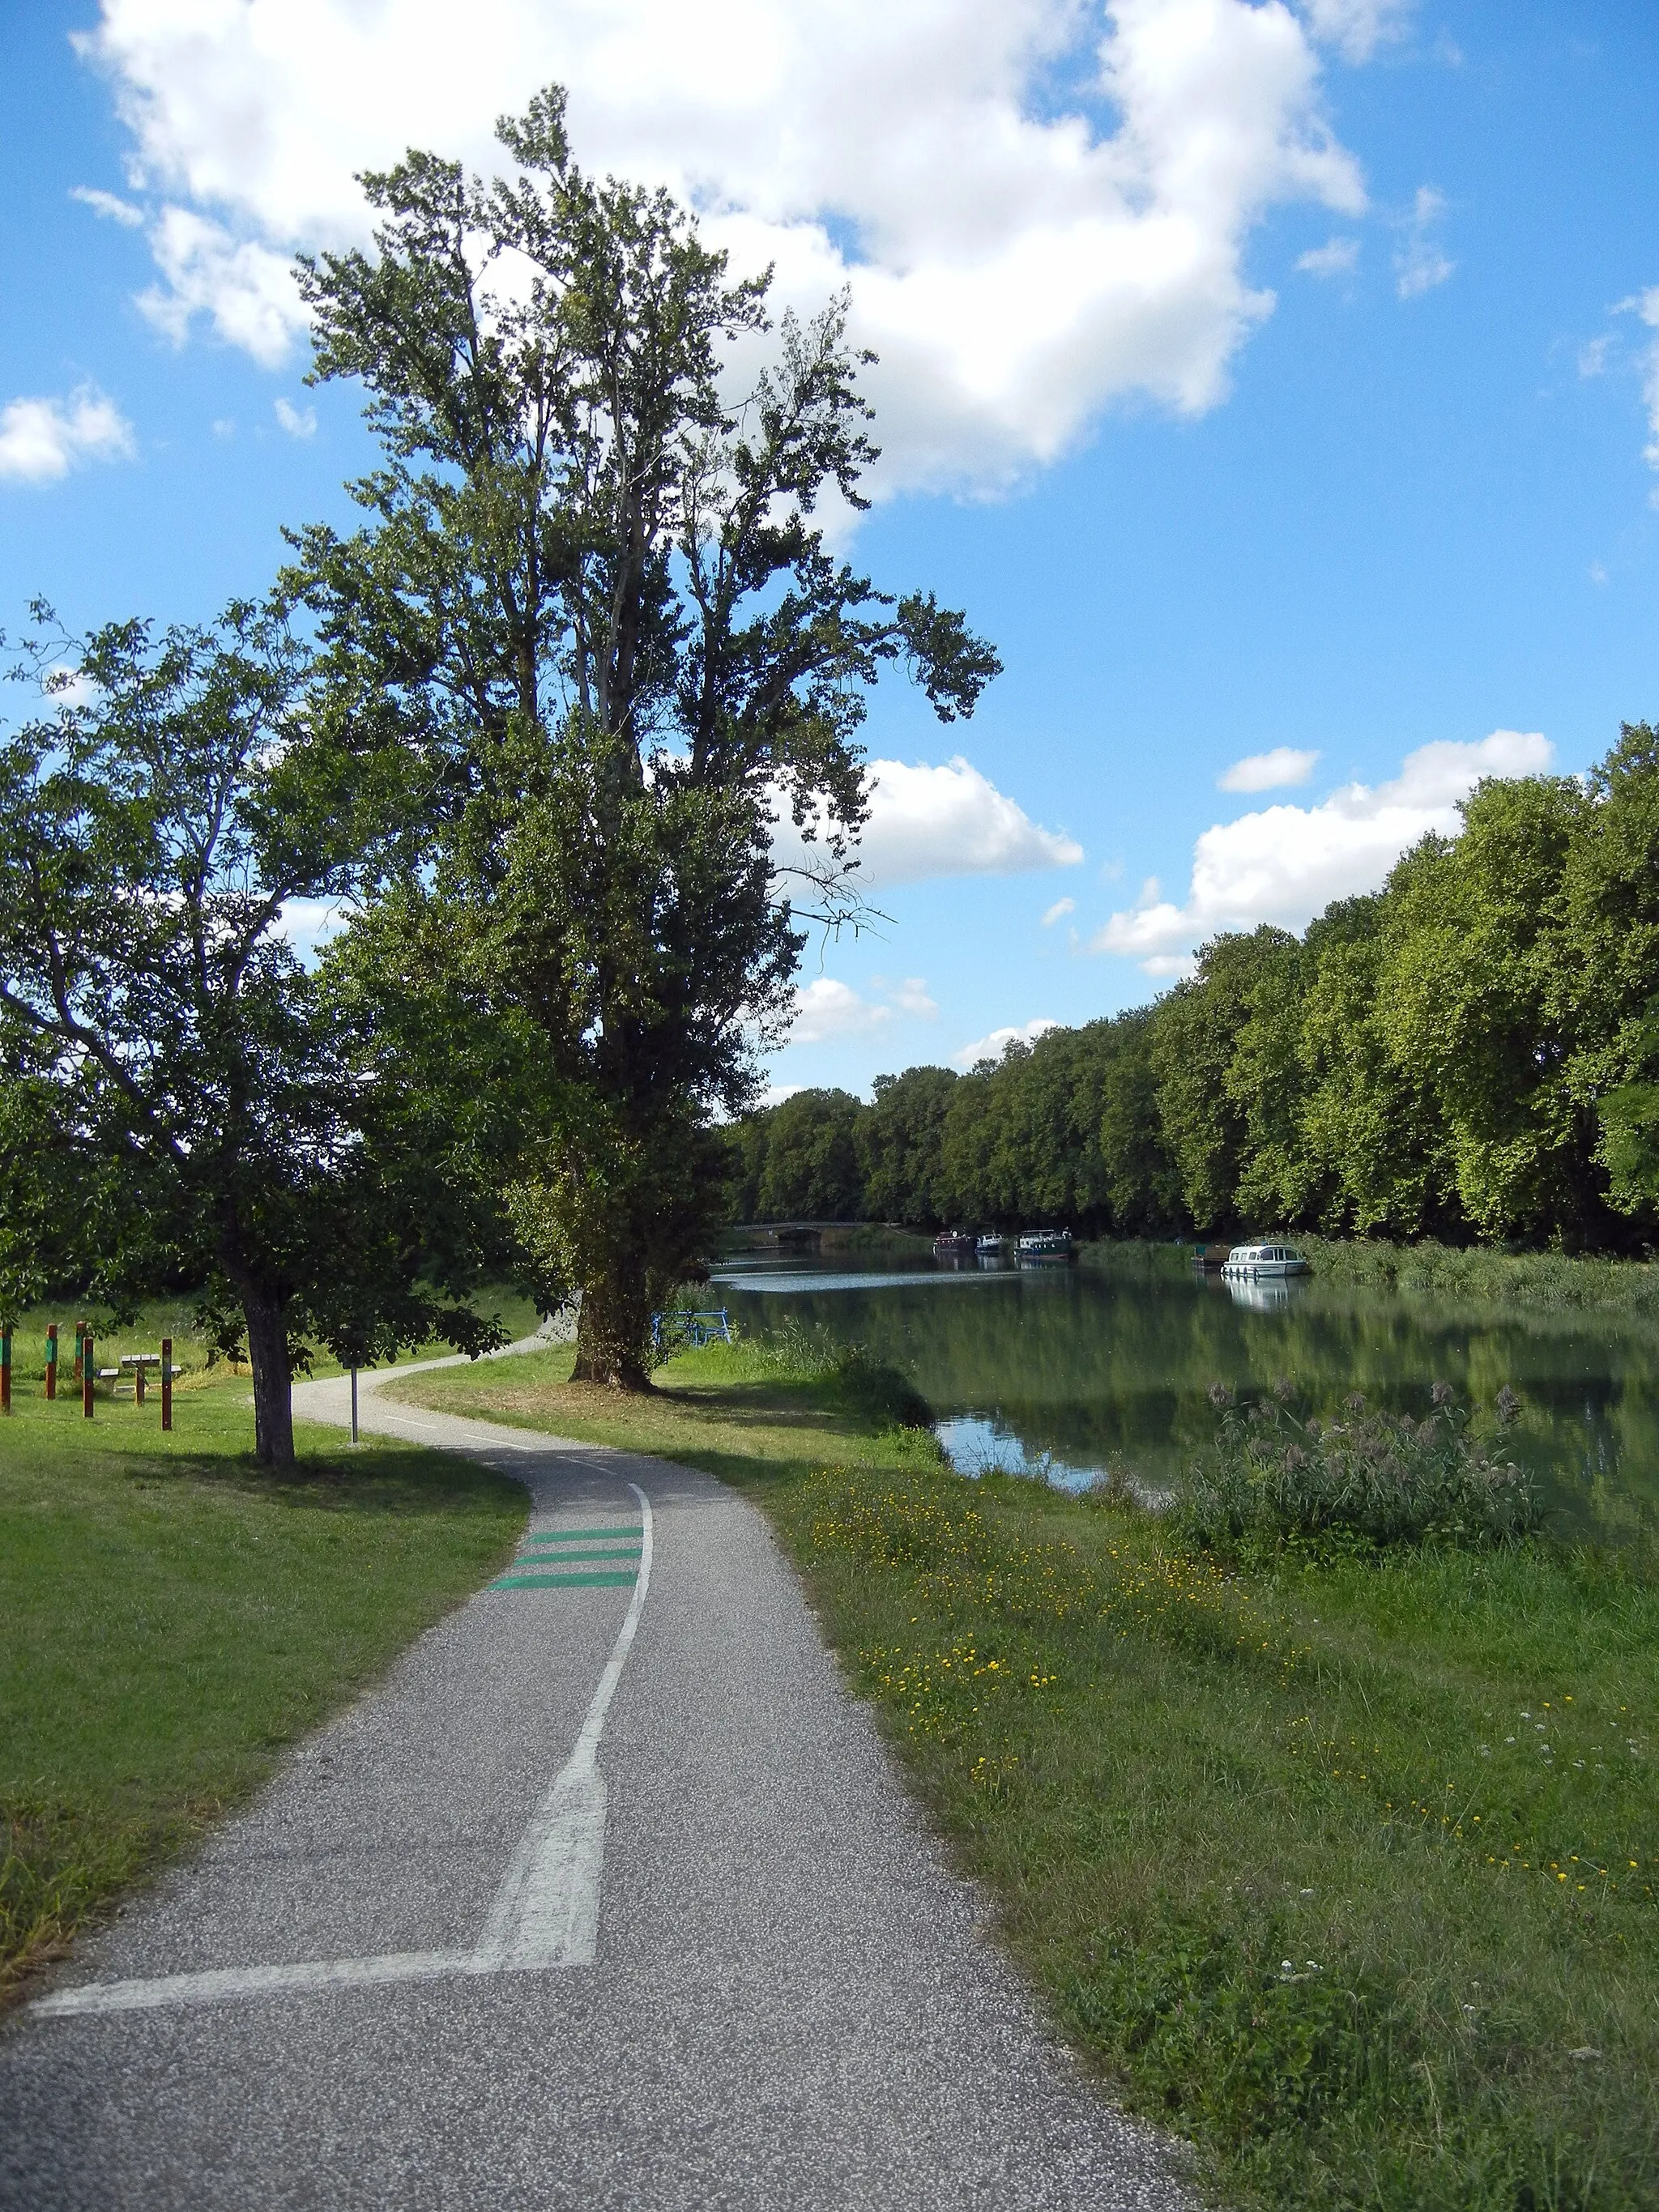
x,y
1472,1053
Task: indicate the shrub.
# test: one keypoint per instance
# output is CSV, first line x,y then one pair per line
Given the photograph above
x,y
1373,1478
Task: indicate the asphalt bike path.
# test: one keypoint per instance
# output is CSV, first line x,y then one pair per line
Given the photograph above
x,y
607,1897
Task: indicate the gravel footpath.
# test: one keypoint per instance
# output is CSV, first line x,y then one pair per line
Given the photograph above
x,y
477,1948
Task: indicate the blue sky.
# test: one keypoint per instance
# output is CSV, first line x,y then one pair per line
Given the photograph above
x,y
1210,505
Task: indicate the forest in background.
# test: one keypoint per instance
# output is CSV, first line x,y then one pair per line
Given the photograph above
x,y
1471,1054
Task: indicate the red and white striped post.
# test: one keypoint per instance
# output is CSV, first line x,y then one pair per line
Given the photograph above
x,y
167,1382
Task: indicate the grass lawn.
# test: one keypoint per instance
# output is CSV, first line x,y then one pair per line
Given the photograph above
x,y
171,1617
1345,1872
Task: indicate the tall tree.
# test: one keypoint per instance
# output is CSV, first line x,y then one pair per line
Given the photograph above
x,y
899,1138
589,599
184,1101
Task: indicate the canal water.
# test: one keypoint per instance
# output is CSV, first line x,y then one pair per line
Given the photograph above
x,y
1065,1372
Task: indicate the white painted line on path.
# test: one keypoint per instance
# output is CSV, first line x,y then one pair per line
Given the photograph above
x,y
546,1911
225,1982
545,1914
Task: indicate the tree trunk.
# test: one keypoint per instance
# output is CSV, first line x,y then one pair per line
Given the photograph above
x,y
613,1326
273,1401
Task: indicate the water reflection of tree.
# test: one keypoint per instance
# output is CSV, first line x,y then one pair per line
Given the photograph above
x,y
1084,1365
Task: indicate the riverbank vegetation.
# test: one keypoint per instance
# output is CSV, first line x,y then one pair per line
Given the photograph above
x,y
1471,1055
1339,1864
172,1618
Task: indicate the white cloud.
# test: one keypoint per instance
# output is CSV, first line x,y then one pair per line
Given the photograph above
x,y
41,440
994,1047
1059,911
1019,263
1286,863
1334,259
1593,356
1598,573
1358,27
1268,771
307,924
1646,304
826,1010
247,290
299,422
109,206
1420,263
909,997
928,821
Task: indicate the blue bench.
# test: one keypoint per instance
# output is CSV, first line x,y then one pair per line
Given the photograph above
x,y
679,1330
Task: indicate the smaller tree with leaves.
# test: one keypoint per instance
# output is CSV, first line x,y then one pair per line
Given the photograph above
x,y
183,1099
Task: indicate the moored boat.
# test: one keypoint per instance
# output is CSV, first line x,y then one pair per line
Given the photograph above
x,y
953,1244
1046,1244
1249,1263
992,1246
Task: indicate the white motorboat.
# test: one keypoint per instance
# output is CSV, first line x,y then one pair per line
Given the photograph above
x,y
1250,1263
992,1246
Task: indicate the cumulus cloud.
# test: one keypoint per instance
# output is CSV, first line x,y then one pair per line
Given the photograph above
x,y
1019,260
1285,863
244,289
298,421
1059,911
994,1045
1421,264
1646,305
41,440
1334,259
827,1010
1358,27
114,210
948,821
1268,771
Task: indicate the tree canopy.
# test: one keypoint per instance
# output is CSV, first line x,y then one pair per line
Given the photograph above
x,y
1471,1053
590,606
186,1101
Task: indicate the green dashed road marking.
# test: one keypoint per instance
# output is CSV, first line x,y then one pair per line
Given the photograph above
x,y
556,1582
578,1555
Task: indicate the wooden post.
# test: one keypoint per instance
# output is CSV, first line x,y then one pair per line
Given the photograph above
x,y
167,1382
139,1382
79,1347
51,1361
5,1368
89,1370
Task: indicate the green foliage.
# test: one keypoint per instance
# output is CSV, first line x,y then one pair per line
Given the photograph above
x,y
588,601
181,1100
1372,1479
898,1142
1470,1054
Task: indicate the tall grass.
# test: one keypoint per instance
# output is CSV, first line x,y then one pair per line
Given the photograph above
x,y
1554,1281
1373,1478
